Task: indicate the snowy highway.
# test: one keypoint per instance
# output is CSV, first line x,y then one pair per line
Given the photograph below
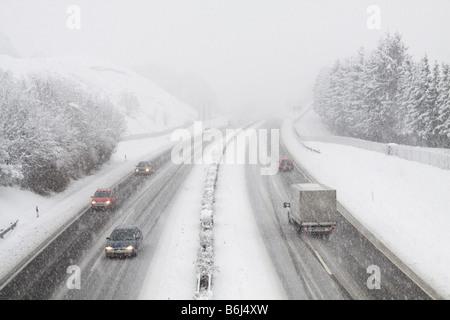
x,y
205,152
121,279
82,244
258,254
318,267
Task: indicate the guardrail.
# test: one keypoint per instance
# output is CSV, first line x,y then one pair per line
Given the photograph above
x,y
11,226
436,157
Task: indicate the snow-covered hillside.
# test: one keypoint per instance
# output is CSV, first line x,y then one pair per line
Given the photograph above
x,y
146,106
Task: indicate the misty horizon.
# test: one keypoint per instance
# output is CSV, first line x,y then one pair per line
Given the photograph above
x,y
236,57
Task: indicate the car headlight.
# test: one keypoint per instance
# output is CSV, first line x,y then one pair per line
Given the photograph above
x,y
108,248
137,170
108,202
147,169
93,202
130,248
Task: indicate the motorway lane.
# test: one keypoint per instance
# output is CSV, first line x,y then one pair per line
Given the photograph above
x,y
116,278
350,256
327,268
301,274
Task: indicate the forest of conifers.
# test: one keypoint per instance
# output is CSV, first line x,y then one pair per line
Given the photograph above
x,y
386,96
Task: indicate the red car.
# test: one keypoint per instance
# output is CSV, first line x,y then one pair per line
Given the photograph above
x,y
286,164
104,199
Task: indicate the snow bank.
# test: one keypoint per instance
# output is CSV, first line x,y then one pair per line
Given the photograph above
x,y
438,157
405,204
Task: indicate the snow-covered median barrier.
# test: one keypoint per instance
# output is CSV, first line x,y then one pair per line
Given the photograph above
x,y
205,264
205,258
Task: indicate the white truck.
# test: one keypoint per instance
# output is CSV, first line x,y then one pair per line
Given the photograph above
x,y
312,207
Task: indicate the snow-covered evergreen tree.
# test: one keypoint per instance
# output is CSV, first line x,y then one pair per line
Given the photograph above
x,y
51,131
442,130
430,117
381,78
415,125
403,99
385,96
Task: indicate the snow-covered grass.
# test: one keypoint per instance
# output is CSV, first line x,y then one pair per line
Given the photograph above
x,y
147,107
404,204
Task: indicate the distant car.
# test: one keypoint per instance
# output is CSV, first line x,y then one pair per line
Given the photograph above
x,y
286,164
143,167
104,199
123,241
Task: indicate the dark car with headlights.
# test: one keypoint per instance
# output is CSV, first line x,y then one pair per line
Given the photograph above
x,y
124,241
143,168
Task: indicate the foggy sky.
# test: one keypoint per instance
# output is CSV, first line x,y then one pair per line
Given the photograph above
x,y
256,54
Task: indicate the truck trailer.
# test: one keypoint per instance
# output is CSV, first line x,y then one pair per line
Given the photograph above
x,y
312,208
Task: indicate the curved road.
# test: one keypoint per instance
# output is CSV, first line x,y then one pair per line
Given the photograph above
x,y
336,267
308,267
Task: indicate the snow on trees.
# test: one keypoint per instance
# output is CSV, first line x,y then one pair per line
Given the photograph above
x,y
442,130
384,96
51,131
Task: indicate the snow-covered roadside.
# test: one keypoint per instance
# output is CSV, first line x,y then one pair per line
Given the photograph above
x,y
57,210
403,203
171,274
245,270
241,266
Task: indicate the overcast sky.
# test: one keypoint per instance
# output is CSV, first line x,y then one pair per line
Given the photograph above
x,y
254,53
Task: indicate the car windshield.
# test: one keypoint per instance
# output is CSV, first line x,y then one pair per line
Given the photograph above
x,y
285,162
142,164
102,194
123,234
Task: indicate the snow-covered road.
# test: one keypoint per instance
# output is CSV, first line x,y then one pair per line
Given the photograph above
x,y
245,267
